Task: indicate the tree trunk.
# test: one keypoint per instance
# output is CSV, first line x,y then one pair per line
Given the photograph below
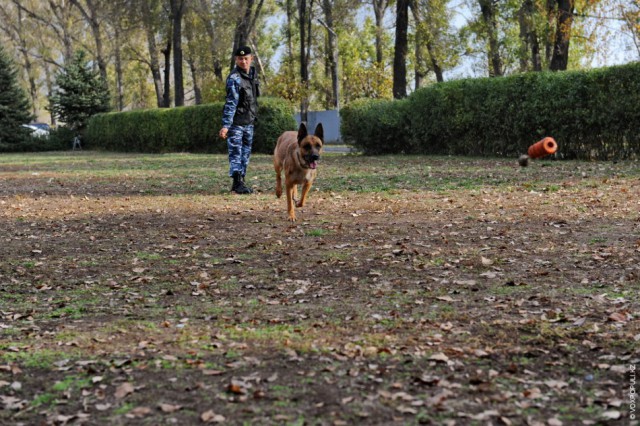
x,y
49,82
191,61
289,32
400,54
177,11
379,9
551,19
435,65
154,64
166,96
118,60
560,58
530,55
487,8
305,21
332,54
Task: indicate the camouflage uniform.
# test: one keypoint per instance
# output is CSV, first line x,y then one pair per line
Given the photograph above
x,y
239,115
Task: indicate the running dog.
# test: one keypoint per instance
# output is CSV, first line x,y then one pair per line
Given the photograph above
x,y
297,154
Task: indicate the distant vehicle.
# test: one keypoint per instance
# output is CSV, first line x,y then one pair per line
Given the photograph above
x,y
39,130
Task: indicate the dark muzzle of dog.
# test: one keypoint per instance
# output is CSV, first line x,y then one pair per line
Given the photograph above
x,y
312,160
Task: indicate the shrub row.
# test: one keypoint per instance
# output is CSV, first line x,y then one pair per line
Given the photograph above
x,y
59,139
592,114
183,129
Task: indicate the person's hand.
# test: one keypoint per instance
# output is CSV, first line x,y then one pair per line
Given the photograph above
x,y
223,133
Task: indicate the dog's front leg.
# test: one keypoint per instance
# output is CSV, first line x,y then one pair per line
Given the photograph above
x,y
278,183
303,198
290,192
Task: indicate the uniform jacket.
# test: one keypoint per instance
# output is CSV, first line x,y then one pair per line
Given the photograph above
x,y
241,106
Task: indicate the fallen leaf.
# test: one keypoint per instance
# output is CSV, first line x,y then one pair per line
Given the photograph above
x,y
169,408
618,317
124,390
532,393
439,357
611,415
406,410
211,417
138,412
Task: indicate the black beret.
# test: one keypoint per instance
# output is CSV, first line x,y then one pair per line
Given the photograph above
x,y
243,51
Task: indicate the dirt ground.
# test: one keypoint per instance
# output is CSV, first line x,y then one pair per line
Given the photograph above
x,y
134,290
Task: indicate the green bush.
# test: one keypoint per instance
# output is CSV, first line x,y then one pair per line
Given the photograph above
x,y
375,126
591,114
183,129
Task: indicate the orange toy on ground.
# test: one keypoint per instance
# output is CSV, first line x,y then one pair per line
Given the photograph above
x,y
546,146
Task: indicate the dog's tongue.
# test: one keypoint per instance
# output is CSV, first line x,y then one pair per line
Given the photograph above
x,y
313,165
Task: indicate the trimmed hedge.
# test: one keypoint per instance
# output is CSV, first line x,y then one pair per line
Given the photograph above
x,y
183,129
591,114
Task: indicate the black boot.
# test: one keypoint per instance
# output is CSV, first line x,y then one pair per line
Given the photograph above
x,y
238,185
248,187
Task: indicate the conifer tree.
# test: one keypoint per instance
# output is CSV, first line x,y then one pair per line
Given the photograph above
x,y
14,105
79,94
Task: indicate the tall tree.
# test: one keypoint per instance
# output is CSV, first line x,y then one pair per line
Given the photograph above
x,y
14,105
401,49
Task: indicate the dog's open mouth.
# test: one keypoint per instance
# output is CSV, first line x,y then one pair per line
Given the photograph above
x,y
313,164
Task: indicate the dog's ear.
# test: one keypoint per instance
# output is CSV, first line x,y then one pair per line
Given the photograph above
x,y
319,133
302,132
